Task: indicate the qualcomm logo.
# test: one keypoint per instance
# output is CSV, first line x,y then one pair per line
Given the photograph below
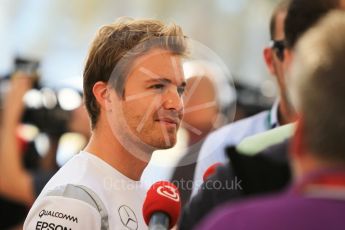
x,y
128,217
58,215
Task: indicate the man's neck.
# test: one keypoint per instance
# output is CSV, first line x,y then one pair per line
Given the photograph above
x,y
104,145
308,163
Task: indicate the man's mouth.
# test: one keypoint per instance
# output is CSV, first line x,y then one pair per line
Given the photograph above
x,y
168,121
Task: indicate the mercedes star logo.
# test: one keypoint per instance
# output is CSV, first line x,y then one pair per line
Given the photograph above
x,y
128,217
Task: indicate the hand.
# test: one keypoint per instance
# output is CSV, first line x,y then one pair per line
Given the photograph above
x,y
13,104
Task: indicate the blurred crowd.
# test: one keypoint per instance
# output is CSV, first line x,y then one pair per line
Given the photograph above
x,y
34,128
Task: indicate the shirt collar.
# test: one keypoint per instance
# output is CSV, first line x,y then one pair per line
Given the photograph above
x,y
273,118
323,183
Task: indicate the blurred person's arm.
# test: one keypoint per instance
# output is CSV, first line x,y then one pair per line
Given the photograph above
x,y
15,181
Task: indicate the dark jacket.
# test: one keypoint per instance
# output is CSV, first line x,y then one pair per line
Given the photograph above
x,y
244,176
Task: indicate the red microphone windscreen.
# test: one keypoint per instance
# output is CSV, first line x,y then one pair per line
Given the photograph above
x,y
162,196
210,171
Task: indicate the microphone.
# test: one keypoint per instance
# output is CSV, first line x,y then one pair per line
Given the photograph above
x,y
211,170
162,206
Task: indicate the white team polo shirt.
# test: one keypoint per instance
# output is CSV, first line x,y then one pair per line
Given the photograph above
x,y
84,194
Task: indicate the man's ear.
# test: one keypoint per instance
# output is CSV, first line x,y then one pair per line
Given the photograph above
x,y
101,93
268,57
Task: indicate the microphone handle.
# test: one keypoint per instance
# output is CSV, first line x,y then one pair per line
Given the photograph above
x,y
159,221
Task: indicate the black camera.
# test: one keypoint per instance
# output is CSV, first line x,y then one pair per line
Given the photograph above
x,y
52,121
47,109
28,66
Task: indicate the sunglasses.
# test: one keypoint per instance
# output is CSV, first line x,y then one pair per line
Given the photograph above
x,y
278,46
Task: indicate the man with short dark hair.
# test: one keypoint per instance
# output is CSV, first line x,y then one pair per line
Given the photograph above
x,y
317,84
208,198
133,86
213,149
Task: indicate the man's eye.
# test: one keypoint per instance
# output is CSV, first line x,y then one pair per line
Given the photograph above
x,y
157,86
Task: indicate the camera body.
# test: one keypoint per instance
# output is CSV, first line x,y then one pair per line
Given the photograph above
x,y
42,105
52,121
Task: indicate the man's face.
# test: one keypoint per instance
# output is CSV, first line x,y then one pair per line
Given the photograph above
x,y
152,105
277,61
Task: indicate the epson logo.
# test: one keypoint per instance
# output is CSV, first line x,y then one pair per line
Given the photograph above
x,y
50,226
58,215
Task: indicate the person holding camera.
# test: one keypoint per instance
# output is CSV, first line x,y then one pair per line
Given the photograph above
x,y
21,183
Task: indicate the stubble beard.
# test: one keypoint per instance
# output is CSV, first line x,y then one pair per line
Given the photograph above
x,y
152,133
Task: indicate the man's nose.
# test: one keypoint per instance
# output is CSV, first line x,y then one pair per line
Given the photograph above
x,y
172,100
